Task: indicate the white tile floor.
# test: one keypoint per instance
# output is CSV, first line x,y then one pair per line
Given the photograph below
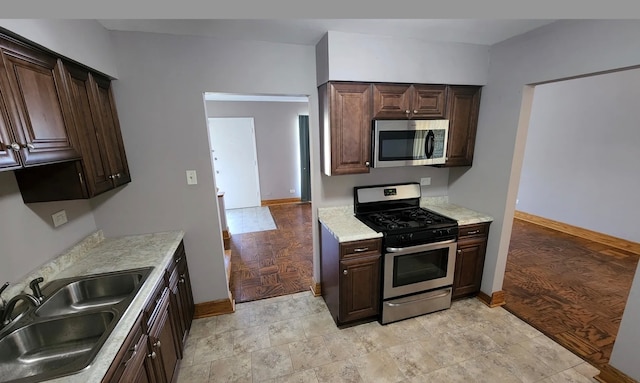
x,y
250,219
294,339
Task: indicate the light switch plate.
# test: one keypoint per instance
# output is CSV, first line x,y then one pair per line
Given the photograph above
x,y
425,181
59,218
192,178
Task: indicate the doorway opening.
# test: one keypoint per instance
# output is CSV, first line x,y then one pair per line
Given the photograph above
x,y
572,256
261,164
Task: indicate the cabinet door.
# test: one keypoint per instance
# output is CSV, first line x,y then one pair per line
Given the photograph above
x,y
391,101
469,265
86,136
350,124
8,157
139,367
185,294
109,128
428,101
463,104
40,114
162,343
359,288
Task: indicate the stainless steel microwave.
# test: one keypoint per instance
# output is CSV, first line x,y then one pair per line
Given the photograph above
x,y
409,142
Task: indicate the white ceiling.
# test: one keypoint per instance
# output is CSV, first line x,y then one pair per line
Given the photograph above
x,y
309,31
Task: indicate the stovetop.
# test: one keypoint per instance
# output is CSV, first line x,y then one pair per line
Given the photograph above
x,y
409,218
394,211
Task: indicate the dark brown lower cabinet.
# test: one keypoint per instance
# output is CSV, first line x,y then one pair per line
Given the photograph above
x,y
350,278
162,341
155,344
359,290
472,247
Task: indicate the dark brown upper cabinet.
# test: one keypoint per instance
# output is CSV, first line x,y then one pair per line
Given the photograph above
x,y
345,120
96,135
35,115
409,101
463,104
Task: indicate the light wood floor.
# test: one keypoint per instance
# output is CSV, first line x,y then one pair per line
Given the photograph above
x,y
571,289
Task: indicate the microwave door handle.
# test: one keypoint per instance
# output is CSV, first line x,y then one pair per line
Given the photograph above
x,y
429,144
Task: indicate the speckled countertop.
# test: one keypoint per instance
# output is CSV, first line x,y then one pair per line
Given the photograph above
x,y
96,254
345,227
463,215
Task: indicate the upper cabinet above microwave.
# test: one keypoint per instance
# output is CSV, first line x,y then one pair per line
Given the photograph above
x,y
402,101
347,110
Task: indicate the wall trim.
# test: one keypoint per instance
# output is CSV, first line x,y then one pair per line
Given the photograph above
x,y
282,201
315,288
213,308
610,374
496,299
605,239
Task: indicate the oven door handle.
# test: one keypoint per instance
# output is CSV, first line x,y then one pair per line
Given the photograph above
x,y
420,299
415,249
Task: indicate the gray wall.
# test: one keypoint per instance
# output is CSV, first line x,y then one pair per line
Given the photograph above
x,y
583,139
85,41
359,57
277,141
559,50
159,96
28,237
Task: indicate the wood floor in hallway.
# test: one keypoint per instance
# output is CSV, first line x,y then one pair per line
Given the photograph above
x,y
571,289
271,263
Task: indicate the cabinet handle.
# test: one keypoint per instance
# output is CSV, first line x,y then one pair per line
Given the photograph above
x,y
178,260
367,164
182,280
473,232
459,251
345,272
110,176
407,111
152,355
29,146
415,111
360,249
135,351
80,176
118,175
14,146
157,344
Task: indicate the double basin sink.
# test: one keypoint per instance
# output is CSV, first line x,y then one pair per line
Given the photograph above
x,y
64,333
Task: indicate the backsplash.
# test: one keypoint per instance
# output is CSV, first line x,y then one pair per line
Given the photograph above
x,y
53,267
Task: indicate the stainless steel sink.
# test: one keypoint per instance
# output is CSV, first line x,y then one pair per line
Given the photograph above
x,y
64,334
90,293
54,347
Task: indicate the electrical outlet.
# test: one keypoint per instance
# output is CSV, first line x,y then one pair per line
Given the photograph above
x,y
517,200
425,181
192,178
292,191
59,218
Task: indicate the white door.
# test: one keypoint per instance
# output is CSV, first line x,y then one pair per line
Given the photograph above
x,y
235,162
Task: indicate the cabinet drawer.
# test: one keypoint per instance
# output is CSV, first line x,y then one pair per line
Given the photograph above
x,y
476,229
351,249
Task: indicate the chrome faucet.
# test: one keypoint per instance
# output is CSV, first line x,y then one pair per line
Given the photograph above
x,y
7,308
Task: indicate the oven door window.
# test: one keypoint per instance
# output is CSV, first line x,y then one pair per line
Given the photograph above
x,y
420,267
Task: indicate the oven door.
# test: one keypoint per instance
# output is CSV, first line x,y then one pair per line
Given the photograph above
x,y
418,268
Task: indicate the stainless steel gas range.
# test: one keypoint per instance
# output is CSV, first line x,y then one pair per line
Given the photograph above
x,y
419,249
